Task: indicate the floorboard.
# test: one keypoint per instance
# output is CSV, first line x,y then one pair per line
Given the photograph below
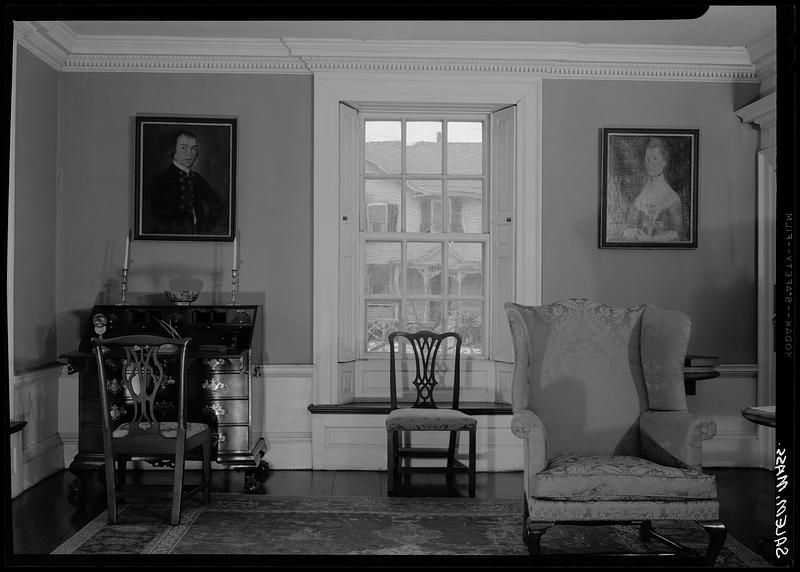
x,y
44,516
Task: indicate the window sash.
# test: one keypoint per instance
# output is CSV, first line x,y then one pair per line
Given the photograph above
x,y
366,234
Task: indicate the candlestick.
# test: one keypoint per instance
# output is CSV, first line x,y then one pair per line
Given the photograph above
x,y
236,252
234,285
127,250
124,299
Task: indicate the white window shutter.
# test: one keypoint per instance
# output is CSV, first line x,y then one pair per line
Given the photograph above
x,y
348,232
503,184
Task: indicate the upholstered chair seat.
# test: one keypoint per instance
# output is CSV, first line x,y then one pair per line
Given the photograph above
x,y
416,419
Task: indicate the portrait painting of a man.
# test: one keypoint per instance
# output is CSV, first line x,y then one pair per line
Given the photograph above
x,y
185,178
648,191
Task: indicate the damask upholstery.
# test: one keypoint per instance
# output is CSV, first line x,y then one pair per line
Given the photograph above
x,y
599,401
429,420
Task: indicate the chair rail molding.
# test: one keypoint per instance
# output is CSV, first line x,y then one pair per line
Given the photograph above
x,y
66,51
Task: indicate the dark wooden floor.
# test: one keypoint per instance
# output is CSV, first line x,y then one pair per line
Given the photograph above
x,y
43,516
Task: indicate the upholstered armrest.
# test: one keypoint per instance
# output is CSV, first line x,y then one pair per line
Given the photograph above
x,y
674,438
526,425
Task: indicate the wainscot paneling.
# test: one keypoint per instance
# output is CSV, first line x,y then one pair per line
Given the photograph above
x,y
736,443
37,450
358,442
288,390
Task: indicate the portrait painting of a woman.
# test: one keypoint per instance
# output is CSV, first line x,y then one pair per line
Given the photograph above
x,y
649,188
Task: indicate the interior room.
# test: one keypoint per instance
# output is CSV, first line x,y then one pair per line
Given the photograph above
x,y
354,165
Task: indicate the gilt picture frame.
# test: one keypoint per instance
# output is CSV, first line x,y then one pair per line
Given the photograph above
x,y
648,188
185,178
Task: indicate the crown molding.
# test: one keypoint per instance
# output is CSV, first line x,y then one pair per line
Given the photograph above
x,y
69,52
762,111
28,36
182,63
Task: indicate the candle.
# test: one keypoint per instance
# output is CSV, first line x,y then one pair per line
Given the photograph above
x,y
236,252
127,250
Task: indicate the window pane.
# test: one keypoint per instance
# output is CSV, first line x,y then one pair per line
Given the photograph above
x,y
423,206
382,260
382,147
424,268
383,318
466,318
424,147
466,206
383,205
465,147
465,268
423,315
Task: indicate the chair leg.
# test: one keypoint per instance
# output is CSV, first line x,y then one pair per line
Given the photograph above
x,y
207,472
451,460
716,539
472,462
533,535
391,460
645,528
111,489
177,485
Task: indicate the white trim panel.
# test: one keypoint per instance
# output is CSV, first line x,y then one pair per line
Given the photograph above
x,y
358,442
286,421
738,442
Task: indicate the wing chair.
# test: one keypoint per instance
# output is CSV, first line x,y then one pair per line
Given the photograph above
x,y
599,401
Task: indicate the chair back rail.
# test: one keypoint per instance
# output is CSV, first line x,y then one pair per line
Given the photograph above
x,y
145,366
426,345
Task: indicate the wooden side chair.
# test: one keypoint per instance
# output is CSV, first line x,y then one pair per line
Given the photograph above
x,y
151,370
426,415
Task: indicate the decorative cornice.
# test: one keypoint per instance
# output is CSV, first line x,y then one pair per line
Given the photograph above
x,y
28,36
183,63
762,111
69,52
569,69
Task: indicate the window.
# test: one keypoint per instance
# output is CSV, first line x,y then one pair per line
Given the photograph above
x,y
424,232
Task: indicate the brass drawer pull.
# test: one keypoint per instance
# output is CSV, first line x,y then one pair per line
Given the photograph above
x,y
214,362
214,385
214,409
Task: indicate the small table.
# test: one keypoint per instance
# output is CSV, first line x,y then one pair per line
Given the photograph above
x,y
761,415
15,426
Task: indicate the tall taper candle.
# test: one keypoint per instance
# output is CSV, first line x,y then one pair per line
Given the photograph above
x,y
127,250
236,252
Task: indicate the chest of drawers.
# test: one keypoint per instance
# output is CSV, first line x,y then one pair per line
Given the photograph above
x,y
220,386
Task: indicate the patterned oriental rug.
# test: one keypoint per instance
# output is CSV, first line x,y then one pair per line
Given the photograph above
x,y
239,524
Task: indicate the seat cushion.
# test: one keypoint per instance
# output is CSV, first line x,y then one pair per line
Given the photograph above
x,y
619,478
418,419
168,429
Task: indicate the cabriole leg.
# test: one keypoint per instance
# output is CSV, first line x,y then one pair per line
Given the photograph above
x,y
716,539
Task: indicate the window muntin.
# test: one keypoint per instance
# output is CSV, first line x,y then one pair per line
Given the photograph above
x,y
427,249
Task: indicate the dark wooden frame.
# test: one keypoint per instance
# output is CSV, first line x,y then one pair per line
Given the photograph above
x,y
622,177
216,162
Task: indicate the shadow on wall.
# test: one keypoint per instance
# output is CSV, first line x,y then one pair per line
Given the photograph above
x,y
715,285
45,351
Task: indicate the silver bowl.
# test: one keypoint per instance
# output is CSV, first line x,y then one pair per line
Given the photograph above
x,y
183,297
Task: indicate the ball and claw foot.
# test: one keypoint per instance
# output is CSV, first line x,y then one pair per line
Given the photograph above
x,y
253,482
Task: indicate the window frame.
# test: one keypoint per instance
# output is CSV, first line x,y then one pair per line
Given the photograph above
x,y
445,116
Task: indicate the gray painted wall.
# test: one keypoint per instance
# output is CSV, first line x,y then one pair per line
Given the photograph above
x,y
714,284
35,205
274,182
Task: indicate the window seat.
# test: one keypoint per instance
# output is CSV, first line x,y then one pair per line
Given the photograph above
x,y
383,408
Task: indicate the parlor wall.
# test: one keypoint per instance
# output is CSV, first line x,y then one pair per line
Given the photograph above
x,y
74,205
